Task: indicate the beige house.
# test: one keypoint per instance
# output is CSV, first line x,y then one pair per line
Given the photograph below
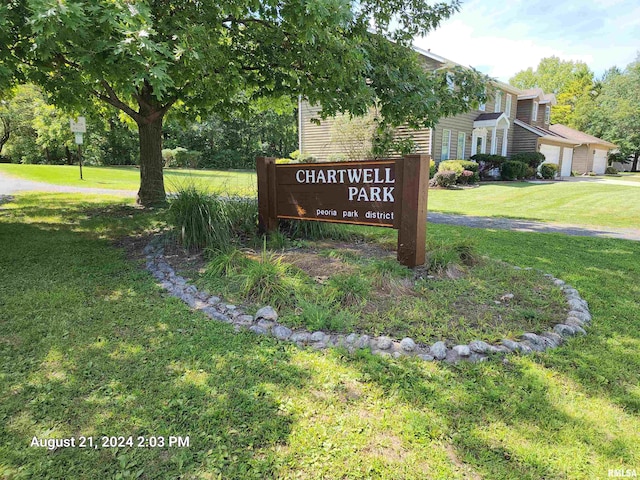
x,y
570,149
489,129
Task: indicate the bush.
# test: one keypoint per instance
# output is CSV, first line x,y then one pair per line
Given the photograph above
x,y
533,159
445,178
187,158
302,157
611,171
432,168
513,170
466,177
530,172
451,166
487,163
548,171
202,220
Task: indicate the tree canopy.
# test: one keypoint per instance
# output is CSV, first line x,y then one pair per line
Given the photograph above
x,y
145,57
571,82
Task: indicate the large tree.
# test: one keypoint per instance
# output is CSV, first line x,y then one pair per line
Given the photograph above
x,y
145,57
616,113
571,82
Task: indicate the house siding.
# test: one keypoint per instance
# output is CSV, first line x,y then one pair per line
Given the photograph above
x,y
524,110
316,139
524,140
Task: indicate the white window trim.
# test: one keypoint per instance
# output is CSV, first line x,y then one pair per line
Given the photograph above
x,y
448,145
461,136
498,106
482,134
505,141
507,105
547,114
534,112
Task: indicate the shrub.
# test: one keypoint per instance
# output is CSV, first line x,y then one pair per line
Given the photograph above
x,y
611,171
513,170
268,280
280,161
168,157
548,170
530,172
432,168
466,177
533,159
445,178
487,163
302,157
451,166
337,157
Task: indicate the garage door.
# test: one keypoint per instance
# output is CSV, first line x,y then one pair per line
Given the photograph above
x,y
567,160
551,153
600,161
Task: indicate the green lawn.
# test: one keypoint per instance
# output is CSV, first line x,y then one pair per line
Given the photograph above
x,y
89,345
633,177
582,203
128,178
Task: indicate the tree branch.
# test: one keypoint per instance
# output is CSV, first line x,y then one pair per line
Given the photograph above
x,y
112,99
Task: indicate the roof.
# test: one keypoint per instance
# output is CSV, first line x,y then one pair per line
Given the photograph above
x,y
578,136
545,134
538,93
488,116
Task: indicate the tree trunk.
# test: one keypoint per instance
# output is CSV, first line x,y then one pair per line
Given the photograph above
x,y
151,191
67,153
634,167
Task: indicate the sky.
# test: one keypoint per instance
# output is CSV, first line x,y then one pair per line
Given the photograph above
x,y
502,37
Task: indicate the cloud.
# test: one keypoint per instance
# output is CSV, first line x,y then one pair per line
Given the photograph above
x,y
519,33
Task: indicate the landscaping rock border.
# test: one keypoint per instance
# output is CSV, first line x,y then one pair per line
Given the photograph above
x,y
265,322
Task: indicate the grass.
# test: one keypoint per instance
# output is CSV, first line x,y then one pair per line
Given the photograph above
x,y
90,346
576,203
582,203
128,178
633,177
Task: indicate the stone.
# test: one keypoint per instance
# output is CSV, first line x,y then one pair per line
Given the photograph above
x,y
281,332
525,347
258,330
213,300
534,339
515,267
506,297
166,285
578,329
300,337
202,295
558,282
319,345
569,290
574,321
351,338
499,349
462,350
452,357
214,314
362,342
230,307
188,299
534,346
477,357
479,346
584,316
564,330
199,304
318,336
576,304
384,343
438,350
243,320
554,338
383,354
266,324
397,354
268,313
510,344
426,357
178,280
407,344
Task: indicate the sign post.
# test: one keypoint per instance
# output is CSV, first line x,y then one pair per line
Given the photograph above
x,y
79,127
383,193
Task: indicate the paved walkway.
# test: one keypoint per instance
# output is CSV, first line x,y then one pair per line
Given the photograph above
x,y
9,185
531,226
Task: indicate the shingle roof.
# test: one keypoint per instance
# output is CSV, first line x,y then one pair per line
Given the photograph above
x,y
488,116
578,136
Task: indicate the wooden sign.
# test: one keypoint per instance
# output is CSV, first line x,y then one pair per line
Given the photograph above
x,y
383,193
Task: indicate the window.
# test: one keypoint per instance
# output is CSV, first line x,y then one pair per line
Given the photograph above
x,y
482,107
507,106
498,107
479,141
547,114
462,137
534,112
446,144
